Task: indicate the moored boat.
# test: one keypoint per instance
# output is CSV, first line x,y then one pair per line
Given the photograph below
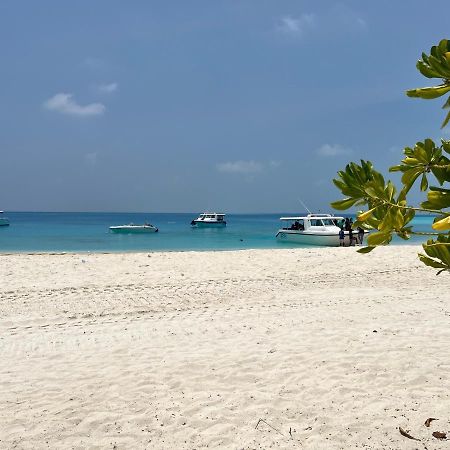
x,y
132,228
315,229
209,220
4,221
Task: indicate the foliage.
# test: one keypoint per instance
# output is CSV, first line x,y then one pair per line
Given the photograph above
x,y
388,212
435,65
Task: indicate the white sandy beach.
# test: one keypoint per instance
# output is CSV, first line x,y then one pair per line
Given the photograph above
x,y
188,350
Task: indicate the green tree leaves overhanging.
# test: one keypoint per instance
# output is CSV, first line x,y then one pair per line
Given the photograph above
x,y
387,211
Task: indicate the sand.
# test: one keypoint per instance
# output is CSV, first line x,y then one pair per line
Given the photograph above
x,y
319,348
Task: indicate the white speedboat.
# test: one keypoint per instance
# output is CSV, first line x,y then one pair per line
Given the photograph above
x,y
209,220
4,221
314,229
132,228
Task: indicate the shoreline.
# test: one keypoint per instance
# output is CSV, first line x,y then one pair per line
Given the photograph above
x,y
133,251
183,350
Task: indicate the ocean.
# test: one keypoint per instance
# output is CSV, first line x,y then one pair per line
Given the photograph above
x,y
34,232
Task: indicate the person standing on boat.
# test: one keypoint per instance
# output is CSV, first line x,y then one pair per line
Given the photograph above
x,y
341,237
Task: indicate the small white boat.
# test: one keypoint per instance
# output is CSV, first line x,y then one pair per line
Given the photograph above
x,y
209,220
315,229
4,221
132,228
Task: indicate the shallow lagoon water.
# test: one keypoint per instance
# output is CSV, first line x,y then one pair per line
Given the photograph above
x,y
82,232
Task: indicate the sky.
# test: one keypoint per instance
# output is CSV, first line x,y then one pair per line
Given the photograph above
x,y
183,106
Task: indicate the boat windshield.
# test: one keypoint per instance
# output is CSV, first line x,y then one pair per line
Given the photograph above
x,y
295,225
323,222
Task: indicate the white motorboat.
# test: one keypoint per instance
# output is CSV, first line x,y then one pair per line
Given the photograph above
x,y
209,220
315,229
4,221
132,228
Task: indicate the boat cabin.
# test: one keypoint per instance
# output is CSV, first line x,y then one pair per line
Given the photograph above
x,y
211,216
311,222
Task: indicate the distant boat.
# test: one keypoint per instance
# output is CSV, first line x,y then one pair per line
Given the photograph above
x,y
314,229
134,229
209,220
4,221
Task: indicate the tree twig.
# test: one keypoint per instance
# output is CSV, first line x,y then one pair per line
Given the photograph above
x,y
268,424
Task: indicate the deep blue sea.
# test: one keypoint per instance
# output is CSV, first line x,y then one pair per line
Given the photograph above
x,y
82,232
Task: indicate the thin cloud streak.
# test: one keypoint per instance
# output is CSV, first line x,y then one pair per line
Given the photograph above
x,y
339,19
108,88
328,150
65,104
241,167
247,168
296,26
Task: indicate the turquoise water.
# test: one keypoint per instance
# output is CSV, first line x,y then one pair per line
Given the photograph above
x,y
71,232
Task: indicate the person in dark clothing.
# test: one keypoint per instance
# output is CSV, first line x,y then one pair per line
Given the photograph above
x,y
350,237
347,224
360,235
341,237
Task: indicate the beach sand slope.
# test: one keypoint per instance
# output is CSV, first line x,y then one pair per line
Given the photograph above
x,y
319,348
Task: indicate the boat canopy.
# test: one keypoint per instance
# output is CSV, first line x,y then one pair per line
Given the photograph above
x,y
212,215
313,216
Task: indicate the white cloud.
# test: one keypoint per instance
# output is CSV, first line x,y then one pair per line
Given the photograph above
x,y
249,169
243,167
338,20
65,104
108,88
333,150
296,26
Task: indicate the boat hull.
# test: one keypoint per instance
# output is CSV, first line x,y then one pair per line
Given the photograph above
x,y
133,229
204,224
4,222
321,240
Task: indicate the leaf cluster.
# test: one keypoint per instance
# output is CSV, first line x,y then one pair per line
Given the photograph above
x,y
435,65
387,211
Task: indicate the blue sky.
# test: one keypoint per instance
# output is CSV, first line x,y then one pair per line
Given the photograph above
x,y
242,106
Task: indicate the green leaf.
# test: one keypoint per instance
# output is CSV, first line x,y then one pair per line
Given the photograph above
x,y
446,120
431,262
424,183
426,70
409,177
342,205
366,249
446,104
437,199
444,46
366,215
429,92
442,224
379,238
445,145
